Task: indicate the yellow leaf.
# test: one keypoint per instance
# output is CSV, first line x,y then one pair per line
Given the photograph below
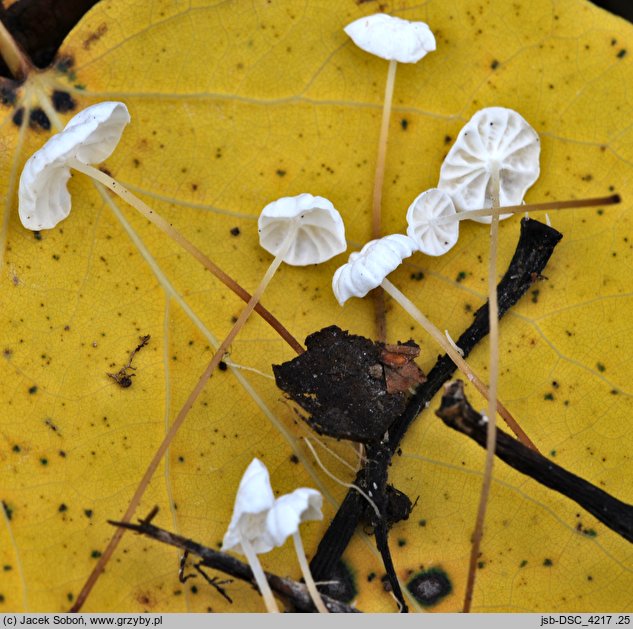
x,y
234,105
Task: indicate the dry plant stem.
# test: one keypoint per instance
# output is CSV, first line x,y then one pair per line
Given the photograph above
x,y
530,207
180,418
260,577
376,212
17,62
457,358
307,575
175,235
376,209
493,322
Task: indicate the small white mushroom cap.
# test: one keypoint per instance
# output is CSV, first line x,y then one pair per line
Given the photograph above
x,y
253,501
392,38
367,268
431,237
495,138
290,510
90,137
320,235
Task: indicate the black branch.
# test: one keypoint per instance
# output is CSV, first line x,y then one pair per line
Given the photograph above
x,y
293,592
456,412
534,248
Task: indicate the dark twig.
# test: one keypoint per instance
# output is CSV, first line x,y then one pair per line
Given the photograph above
x,y
296,594
534,248
458,414
378,458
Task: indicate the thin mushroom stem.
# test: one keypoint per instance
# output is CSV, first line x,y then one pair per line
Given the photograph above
x,y
175,235
530,207
180,418
457,358
260,577
491,437
18,63
307,575
379,177
376,214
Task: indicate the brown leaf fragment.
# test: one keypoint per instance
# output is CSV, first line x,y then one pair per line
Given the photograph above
x,y
401,372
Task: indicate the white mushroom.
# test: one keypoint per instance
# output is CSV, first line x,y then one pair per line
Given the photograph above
x,y
247,533
261,523
368,268
493,161
253,500
396,40
302,230
299,230
392,38
431,224
283,521
90,137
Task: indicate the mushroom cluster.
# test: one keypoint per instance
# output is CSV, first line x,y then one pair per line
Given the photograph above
x,y
261,522
494,160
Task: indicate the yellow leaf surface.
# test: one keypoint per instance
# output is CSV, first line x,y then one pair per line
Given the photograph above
x,y
235,104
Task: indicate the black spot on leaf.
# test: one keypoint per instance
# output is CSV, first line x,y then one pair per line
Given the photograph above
x,y
38,119
430,587
18,117
63,102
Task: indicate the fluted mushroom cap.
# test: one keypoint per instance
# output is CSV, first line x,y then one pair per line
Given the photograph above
x,y
89,137
432,237
367,268
321,233
495,138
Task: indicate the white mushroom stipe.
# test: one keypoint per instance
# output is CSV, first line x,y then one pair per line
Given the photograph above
x,y
497,141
